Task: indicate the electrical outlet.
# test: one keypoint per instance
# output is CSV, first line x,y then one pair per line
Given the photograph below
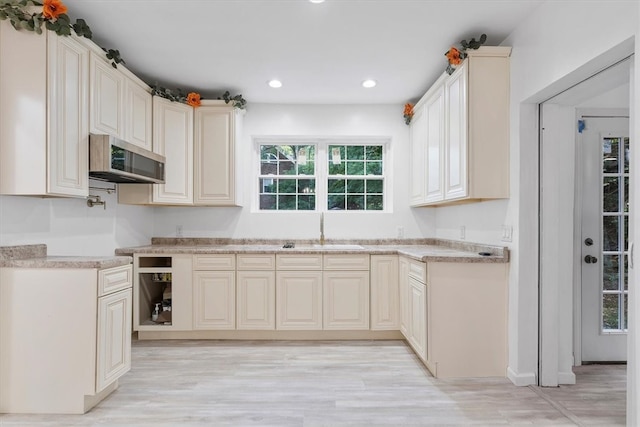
x,y
507,233
400,232
462,232
178,231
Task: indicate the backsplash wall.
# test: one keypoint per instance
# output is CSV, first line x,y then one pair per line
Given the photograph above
x,y
309,120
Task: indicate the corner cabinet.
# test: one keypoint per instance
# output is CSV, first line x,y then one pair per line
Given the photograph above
x,y
44,114
460,133
199,145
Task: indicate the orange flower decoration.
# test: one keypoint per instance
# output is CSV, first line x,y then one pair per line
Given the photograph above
x,y
408,110
453,56
193,99
51,9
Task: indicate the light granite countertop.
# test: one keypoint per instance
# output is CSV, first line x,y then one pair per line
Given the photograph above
x,y
35,256
432,250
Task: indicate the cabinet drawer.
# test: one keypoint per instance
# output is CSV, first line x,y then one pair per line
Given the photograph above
x,y
418,270
299,262
214,262
114,279
256,262
346,262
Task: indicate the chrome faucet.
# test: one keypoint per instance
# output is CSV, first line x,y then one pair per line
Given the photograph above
x,y
322,228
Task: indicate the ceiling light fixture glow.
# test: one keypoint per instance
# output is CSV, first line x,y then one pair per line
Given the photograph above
x,y
369,83
275,83
316,1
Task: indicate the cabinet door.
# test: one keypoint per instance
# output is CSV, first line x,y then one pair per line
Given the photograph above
x,y
214,300
456,142
418,141
434,110
173,138
299,300
107,98
256,300
114,338
345,300
385,310
138,115
214,137
418,317
403,288
68,145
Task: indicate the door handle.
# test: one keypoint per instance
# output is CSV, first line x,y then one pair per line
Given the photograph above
x,y
590,259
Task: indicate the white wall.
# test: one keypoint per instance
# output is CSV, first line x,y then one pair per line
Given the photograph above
x,y
547,57
70,227
309,120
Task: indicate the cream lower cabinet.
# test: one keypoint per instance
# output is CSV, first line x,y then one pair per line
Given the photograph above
x,y
65,352
385,307
467,313
413,293
256,292
44,114
345,284
214,292
299,292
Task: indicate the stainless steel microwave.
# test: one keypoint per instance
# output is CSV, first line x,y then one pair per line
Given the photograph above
x,y
114,160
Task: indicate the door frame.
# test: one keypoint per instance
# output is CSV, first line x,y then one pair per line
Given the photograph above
x,y
552,349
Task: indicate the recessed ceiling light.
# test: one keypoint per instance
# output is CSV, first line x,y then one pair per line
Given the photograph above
x,y
275,83
316,1
369,83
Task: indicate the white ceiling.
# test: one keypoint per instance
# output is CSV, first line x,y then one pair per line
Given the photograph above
x,y
321,52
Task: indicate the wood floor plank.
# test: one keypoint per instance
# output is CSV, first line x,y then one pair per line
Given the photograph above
x,y
328,383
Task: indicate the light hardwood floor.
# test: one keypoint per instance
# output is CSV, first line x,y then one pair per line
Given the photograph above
x,y
361,383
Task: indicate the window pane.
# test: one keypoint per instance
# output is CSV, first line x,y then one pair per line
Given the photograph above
x,y
355,202
306,186
287,186
610,272
268,168
610,194
268,153
336,169
374,203
626,311
267,186
626,155
626,232
355,186
286,203
374,186
610,311
610,233
337,186
268,202
374,152
355,152
374,168
626,272
287,168
335,202
355,168
610,155
306,203
626,194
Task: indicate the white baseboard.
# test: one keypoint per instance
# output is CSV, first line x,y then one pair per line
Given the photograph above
x,y
522,380
566,378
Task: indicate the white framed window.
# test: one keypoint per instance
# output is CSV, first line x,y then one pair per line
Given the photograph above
x,y
322,174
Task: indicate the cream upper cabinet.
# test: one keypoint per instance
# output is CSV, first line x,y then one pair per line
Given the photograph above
x,y
466,140
385,310
138,113
107,97
121,103
214,154
44,114
201,166
418,138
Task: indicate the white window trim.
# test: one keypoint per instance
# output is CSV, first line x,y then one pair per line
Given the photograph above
x,y
321,143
